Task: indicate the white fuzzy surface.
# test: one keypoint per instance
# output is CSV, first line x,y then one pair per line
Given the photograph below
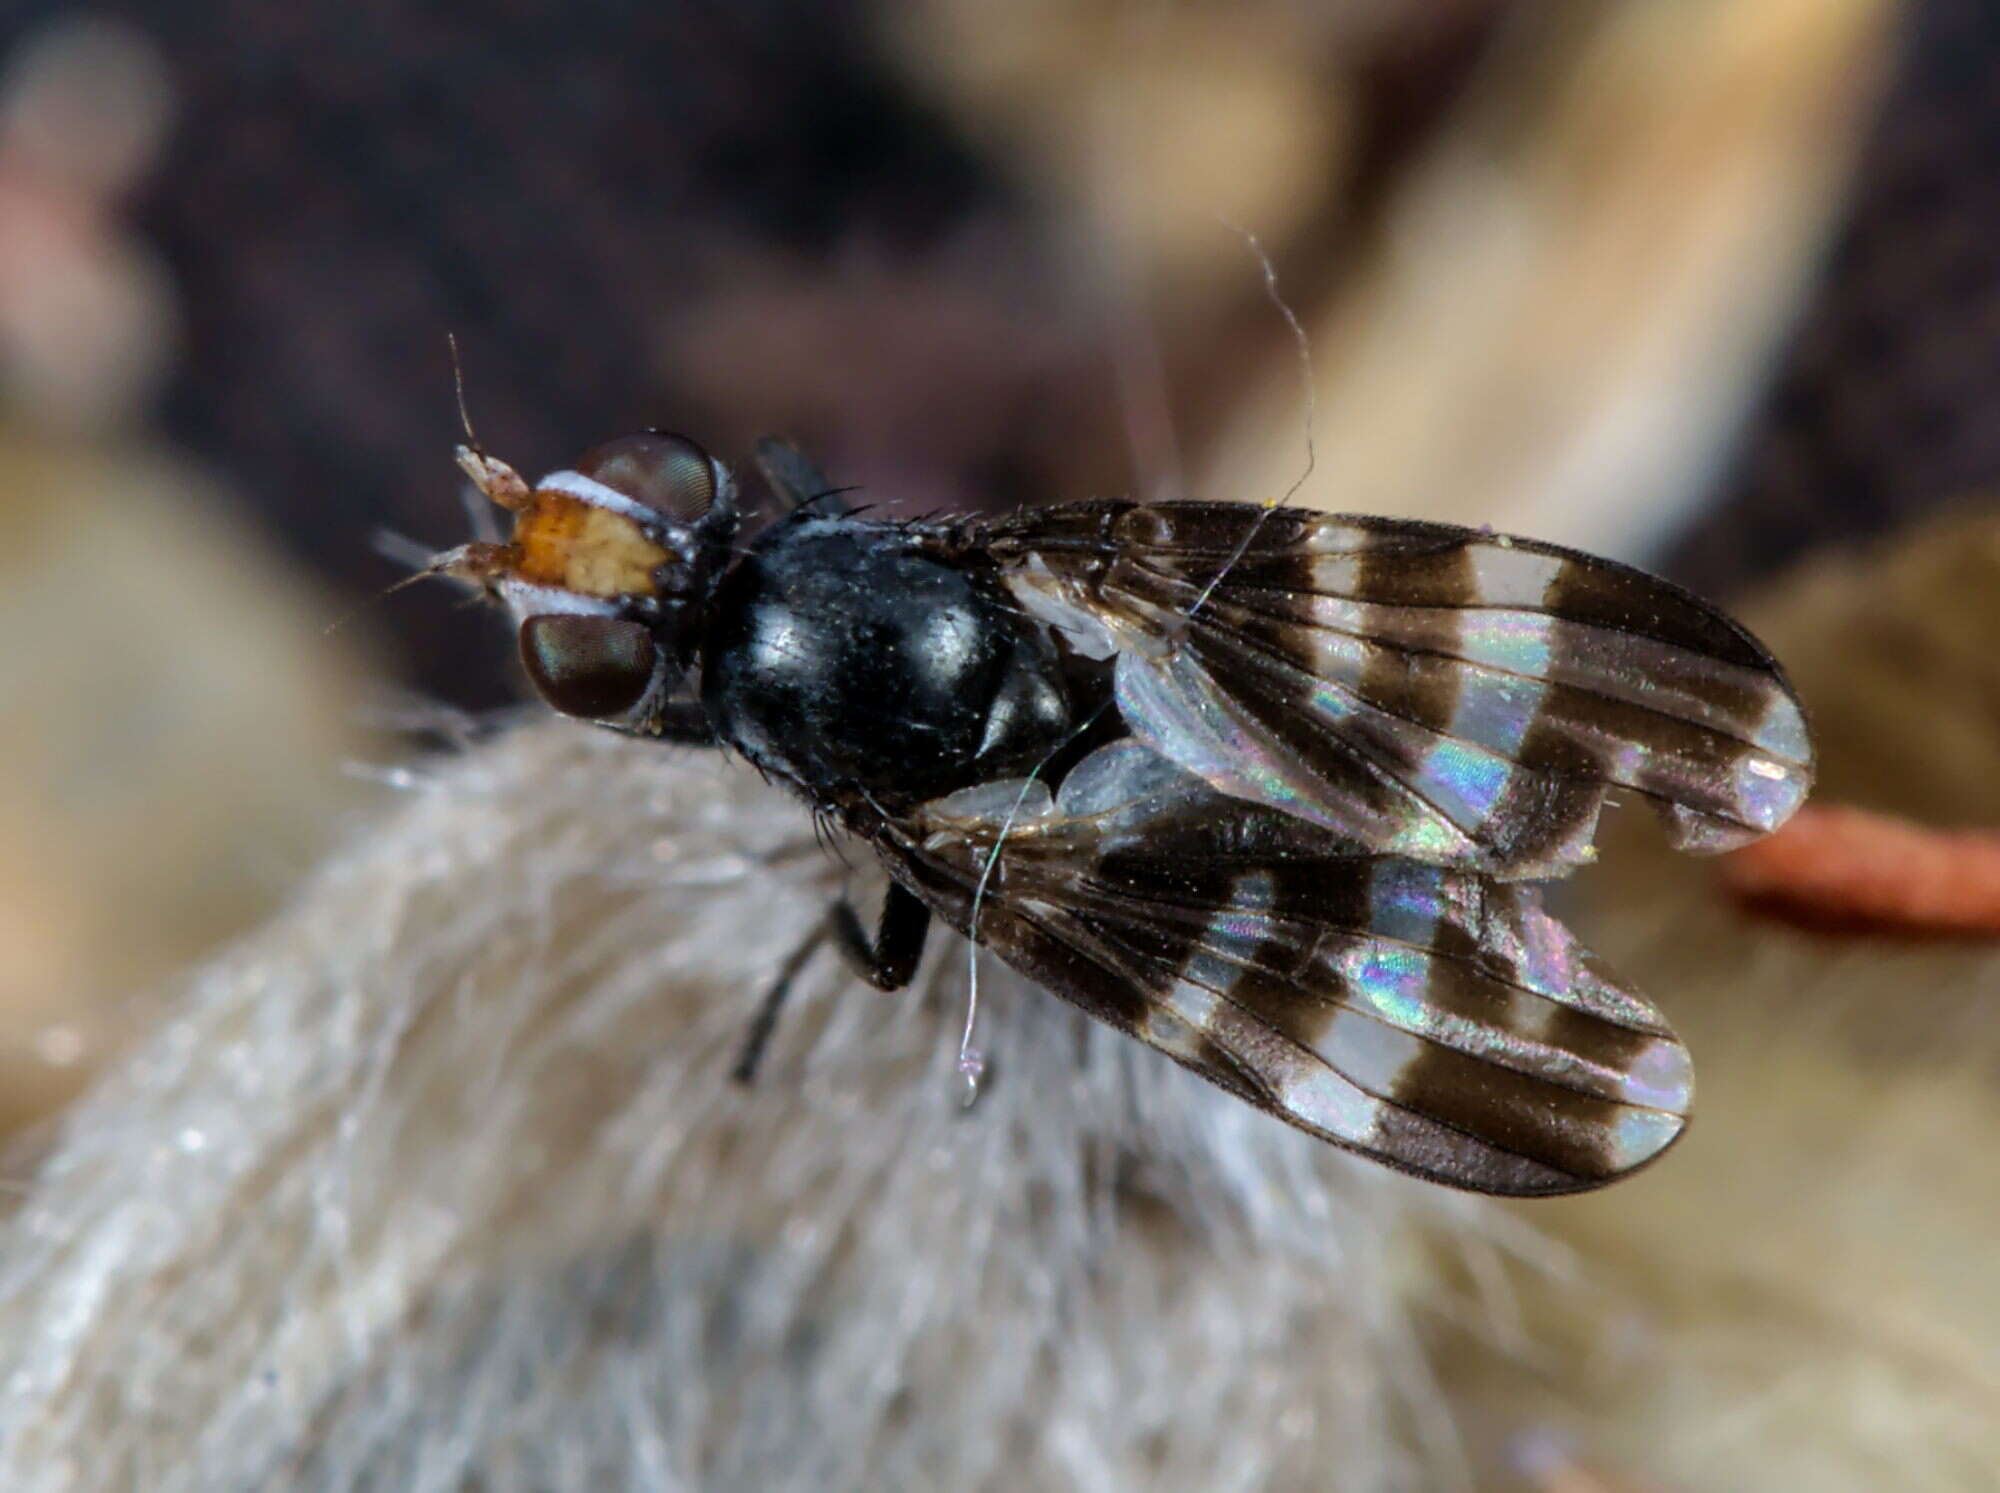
x,y
439,1183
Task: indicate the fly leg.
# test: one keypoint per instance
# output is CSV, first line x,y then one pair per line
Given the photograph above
x,y
887,962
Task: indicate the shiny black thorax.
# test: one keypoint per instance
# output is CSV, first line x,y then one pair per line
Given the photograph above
x,y
878,660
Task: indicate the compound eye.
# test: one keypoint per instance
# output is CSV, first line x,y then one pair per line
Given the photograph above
x,y
667,472
588,666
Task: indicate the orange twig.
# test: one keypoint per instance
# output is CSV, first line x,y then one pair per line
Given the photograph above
x,y
1846,870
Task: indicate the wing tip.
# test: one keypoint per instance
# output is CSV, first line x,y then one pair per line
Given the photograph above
x,y
1764,795
1642,1139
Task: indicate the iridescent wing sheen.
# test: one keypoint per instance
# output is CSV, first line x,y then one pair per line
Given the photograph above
x,y
1433,1019
1458,697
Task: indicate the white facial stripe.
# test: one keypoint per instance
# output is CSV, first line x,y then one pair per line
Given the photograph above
x,y
526,599
590,490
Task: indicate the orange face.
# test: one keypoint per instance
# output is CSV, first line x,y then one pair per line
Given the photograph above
x,y
605,562
561,541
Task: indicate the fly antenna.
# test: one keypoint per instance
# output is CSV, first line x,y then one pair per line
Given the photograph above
x,y
499,482
384,594
458,384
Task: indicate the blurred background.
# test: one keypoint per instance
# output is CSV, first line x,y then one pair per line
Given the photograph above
x,y
1707,284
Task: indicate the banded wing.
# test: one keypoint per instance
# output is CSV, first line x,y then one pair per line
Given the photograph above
x,y
1433,1019
1461,698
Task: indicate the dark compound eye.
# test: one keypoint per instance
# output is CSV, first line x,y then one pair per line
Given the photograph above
x,y
667,472
588,666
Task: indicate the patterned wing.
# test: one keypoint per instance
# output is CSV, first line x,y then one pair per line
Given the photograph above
x,y
1461,698
1433,1019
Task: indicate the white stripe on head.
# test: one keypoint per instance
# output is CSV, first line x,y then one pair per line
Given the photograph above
x,y
590,490
526,599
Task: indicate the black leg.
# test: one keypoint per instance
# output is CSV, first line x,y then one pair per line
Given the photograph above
x,y
891,960
887,964
765,1021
